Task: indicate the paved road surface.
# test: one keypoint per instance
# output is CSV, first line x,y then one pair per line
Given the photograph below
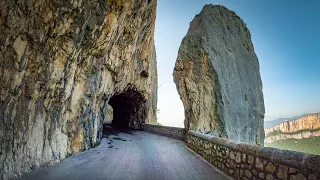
x,y
131,155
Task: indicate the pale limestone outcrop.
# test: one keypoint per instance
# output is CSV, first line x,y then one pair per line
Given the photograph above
x,y
108,113
218,79
277,136
304,127
309,122
60,63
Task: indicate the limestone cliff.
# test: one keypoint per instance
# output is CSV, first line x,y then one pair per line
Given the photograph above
x,y
304,127
60,63
218,79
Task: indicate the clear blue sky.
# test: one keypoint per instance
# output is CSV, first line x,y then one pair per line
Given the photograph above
x,y
286,37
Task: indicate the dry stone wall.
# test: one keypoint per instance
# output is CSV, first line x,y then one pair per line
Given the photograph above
x,y
173,132
244,161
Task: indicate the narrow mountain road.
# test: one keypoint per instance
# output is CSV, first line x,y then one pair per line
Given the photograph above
x,y
131,155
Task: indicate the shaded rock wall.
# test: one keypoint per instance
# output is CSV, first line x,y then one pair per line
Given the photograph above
x,y
218,79
129,110
60,62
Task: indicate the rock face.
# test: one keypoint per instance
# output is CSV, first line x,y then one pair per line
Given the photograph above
x,y
310,122
60,64
218,79
304,127
269,124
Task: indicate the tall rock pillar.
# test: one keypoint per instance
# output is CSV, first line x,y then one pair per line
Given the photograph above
x,y
218,79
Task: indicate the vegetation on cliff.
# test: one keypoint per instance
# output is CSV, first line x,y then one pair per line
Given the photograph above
x,y
307,145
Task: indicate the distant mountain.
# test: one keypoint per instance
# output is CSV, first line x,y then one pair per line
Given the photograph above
x,y
269,124
304,127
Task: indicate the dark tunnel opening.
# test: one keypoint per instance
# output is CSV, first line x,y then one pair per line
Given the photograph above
x,y
129,109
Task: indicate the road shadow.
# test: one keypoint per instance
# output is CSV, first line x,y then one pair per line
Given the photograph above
x,y
112,134
109,129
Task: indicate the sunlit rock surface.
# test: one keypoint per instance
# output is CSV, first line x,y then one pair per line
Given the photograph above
x,y
60,63
218,79
304,127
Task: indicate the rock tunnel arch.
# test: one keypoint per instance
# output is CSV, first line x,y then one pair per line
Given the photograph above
x,y
129,109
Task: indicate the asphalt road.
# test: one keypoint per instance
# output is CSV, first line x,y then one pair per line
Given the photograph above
x,y
131,155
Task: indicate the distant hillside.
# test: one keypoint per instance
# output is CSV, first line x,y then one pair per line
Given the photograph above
x,y
304,127
269,124
307,145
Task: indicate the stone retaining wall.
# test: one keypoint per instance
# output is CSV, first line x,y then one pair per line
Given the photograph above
x,y
244,161
173,132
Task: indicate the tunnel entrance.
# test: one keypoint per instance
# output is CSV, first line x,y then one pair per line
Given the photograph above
x,y
129,110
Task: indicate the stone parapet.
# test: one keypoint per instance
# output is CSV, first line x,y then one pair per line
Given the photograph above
x,y
173,132
244,161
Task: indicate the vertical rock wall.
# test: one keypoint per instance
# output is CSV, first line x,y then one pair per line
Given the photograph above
x,y
305,127
308,122
60,62
218,79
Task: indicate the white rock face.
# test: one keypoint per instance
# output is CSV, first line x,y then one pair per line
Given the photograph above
x,y
60,63
218,79
309,122
304,127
